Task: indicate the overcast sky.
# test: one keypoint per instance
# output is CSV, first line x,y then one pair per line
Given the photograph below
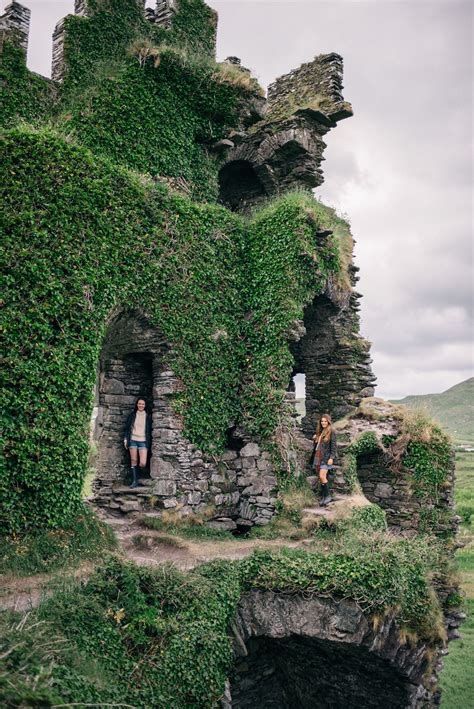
x,y
400,169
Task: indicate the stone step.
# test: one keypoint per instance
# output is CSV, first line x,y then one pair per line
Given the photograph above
x,y
127,490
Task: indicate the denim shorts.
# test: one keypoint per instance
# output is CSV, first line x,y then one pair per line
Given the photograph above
x,y
137,444
325,466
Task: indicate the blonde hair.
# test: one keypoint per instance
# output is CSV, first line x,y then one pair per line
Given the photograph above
x,y
325,433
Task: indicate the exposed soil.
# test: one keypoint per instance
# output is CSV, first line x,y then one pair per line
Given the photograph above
x,y
148,547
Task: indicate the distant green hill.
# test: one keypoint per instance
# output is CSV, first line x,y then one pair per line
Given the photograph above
x,y
454,409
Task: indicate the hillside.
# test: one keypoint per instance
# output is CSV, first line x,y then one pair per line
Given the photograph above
x,y
453,408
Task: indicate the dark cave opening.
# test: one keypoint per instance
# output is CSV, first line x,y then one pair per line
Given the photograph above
x,y
298,672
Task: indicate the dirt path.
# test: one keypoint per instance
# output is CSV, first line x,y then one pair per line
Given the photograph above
x,y
148,547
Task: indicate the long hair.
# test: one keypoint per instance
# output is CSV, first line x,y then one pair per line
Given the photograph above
x,y
325,433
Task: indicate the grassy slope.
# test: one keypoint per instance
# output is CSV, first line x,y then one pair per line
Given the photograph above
x,y
453,408
457,679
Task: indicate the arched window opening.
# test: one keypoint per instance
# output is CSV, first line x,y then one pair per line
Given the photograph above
x,y
239,185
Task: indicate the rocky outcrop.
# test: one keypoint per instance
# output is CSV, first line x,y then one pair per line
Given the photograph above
x,y
292,650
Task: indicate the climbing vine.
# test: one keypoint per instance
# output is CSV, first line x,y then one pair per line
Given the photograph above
x,y
84,237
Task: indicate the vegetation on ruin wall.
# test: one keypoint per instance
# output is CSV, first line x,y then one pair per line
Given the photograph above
x,y
102,39
24,95
83,237
159,637
129,96
287,266
148,98
422,453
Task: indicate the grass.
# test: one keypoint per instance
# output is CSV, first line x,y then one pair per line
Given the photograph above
x,y
457,677
86,538
189,527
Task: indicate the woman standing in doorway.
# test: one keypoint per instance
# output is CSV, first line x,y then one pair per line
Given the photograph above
x,y
137,438
325,456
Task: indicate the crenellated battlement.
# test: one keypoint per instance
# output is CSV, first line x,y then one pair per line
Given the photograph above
x,y
15,25
161,16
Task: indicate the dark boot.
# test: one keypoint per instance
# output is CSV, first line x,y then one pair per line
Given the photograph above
x,y
323,494
134,476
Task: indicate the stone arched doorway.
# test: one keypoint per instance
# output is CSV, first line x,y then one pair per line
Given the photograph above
x,y
131,366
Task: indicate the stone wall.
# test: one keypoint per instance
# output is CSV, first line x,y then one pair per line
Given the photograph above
x,y
391,485
15,25
393,492
316,85
300,651
334,358
241,484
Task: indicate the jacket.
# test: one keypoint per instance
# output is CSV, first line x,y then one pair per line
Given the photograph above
x,y
329,449
127,434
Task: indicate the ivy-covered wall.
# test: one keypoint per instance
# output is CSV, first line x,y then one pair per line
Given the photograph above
x,y
24,96
83,237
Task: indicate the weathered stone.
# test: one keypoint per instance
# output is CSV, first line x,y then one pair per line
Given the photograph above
x,y
223,524
165,487
161,468
194,498
383,490
248,463
130,506
229,455
250,450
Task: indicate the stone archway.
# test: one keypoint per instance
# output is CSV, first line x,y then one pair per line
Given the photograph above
x,y
337,371
131,366
296,652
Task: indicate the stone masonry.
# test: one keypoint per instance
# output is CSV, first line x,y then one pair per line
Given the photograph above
x,y
15,24
295,651
241,485
282,147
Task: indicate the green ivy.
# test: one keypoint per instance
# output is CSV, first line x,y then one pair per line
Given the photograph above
x,y
430,462
286,268
24,95
366,443
83,237
159,637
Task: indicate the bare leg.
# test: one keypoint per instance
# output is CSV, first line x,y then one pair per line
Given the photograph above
x,y
143,452
133,456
